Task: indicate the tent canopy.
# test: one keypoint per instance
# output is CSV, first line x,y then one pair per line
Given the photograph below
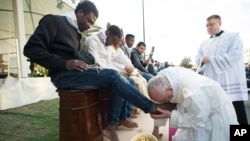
x,y
33,10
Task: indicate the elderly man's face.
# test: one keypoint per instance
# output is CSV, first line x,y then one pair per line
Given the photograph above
x,y
161,97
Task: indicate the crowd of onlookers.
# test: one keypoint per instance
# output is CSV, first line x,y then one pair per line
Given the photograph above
x,y
248,75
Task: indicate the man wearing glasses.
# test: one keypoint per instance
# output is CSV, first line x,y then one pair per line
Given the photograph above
x,y
221,58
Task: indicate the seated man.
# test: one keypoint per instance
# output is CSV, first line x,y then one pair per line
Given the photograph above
x,y
122,63
128,45
151,67
137,60
99,46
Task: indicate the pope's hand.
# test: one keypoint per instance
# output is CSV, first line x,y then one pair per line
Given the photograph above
x,y
162,114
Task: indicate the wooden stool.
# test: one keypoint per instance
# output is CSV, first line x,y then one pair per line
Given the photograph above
x,y
104,99
79,116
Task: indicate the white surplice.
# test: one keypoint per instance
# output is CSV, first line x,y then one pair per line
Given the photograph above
x,y
204,111
227,64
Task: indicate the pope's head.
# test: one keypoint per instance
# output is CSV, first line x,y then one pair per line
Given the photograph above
x,y
159,89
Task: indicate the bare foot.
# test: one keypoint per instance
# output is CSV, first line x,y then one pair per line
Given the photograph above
x,y
128,123
110,133
135,111
133,116
156,133
158,136
107,134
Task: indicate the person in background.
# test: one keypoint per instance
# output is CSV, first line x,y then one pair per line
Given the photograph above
x,y
138,62
151,67
129,42
99,45
55,45
157,66
204,111
126,48
121,62
221,58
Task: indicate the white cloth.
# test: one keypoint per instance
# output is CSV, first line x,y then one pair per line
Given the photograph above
x,y
71,17
95,45
119,60
126,50
227,64
204,110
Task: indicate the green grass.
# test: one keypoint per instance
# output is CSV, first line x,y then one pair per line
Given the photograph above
x,y
34,122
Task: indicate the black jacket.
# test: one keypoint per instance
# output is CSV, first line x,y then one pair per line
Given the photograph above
x,y
137,60
151,68
54,42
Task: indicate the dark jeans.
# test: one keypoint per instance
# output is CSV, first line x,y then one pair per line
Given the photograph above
x,y
126,110
106,78
147,75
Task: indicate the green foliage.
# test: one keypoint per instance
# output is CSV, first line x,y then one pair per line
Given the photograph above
x,y
186,62
87,33
38,71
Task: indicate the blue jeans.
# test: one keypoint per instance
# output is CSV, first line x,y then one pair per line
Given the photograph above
x,y
106,78
127,106
147,76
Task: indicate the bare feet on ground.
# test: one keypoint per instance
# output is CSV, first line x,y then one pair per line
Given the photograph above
x,y
156,133
110,133
128,123
158,136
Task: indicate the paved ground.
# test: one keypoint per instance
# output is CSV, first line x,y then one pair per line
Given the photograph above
x,y
145,126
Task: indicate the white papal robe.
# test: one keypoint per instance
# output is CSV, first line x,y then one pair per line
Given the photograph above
x,y
227,64
204,111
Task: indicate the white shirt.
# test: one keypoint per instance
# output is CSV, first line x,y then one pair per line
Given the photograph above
x,y
95,45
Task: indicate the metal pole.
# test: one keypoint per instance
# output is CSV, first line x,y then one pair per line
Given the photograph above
x,y
20,36
143,20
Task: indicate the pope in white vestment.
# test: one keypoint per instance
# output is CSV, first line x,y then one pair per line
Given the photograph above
x,y
204,111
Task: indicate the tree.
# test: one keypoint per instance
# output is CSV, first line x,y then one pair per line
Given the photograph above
x,y
186,62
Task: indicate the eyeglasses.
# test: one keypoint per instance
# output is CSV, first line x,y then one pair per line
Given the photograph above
x,y
211,24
